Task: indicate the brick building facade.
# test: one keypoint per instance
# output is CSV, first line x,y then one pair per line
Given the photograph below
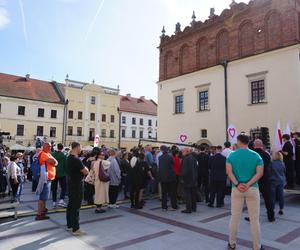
x,y
241,31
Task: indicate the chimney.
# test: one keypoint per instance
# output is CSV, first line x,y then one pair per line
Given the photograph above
x,y
128,95
27,77
142,98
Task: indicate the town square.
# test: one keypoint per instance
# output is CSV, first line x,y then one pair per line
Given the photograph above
x,y
164,124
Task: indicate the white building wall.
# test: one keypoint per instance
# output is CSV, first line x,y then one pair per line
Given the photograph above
x,y
128,141
281,70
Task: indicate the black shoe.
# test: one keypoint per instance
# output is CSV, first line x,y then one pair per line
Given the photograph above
x,y
220,206
271,219
262,248
280,212
229,247
100,211
247,219
186,211
194,210
210,205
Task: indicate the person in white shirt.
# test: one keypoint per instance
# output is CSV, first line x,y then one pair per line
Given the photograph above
x,y
227,151
14,176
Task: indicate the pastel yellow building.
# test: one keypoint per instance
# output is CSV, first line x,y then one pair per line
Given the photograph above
x,y
30,109
92,110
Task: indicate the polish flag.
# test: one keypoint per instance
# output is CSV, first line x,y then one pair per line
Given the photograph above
x,y
278,138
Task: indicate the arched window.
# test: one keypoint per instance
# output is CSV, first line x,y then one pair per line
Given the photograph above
x,y
290,25
273,30
246,39
168,64
222,46
202,53
184,61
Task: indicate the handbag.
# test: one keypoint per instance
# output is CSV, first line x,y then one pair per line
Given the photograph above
x,y
103,175
90,179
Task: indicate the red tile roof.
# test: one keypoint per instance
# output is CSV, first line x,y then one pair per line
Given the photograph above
x,y
33,89
138,105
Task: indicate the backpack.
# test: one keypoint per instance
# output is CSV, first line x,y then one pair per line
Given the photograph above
x,y
36,167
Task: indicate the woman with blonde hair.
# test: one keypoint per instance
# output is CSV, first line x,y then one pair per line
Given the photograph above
x,y
278,180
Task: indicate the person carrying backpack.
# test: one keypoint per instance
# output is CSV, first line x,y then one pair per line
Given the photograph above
x,y
35,169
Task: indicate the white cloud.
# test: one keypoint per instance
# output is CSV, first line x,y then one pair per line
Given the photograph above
x,y
4,18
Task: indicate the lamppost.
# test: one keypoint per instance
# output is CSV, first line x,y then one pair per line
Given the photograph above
x,y
119,139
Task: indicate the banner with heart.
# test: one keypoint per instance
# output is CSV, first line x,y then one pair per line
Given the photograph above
x,y
232,133
182,138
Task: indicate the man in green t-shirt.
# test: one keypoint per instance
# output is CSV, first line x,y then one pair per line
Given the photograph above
x,y
60,177
244,168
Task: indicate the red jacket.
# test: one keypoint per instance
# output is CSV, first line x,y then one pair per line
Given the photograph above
x,y
176,165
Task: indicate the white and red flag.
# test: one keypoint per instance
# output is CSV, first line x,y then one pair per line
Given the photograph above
x,y
278,138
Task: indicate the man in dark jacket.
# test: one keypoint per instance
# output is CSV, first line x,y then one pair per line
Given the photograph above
x,y
297,156
167,178
203,172
189,178
264,183
217,166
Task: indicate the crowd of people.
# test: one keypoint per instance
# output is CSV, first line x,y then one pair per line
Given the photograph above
x,y
181,175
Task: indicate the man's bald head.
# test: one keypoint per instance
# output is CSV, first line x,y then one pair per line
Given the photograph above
x,y
258,144
47,147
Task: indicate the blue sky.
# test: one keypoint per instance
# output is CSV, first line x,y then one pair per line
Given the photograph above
x,y
113,42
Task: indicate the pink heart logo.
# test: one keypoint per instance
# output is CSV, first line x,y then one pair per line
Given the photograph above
x,y
231,132
183,138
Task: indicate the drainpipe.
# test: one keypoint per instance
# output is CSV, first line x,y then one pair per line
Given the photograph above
x,y
119,141
225,64
64,134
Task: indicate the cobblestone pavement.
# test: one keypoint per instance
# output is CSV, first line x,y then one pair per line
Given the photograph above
x,y
146,229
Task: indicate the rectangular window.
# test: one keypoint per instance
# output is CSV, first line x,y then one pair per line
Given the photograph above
x,y
258,92
21,110
93,100
112,134
52,131
203,100
92,116
204,133
0,107
123,119
40,131
53,114
79,131
178,104
103,133
70,114
20,130
141,122
104,118
41,112
133,121
133,133
70,130
112,118
91,134
141,134
150,123
79,115
123,133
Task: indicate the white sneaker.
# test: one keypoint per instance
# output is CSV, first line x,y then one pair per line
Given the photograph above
x,y
61,203
115,206
54,204
110,206
78,233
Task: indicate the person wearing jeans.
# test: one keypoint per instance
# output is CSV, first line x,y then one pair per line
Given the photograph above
x,y
244,168
277,181
115,179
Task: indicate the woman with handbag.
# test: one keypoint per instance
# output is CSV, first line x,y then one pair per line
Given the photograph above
x,y
98,176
